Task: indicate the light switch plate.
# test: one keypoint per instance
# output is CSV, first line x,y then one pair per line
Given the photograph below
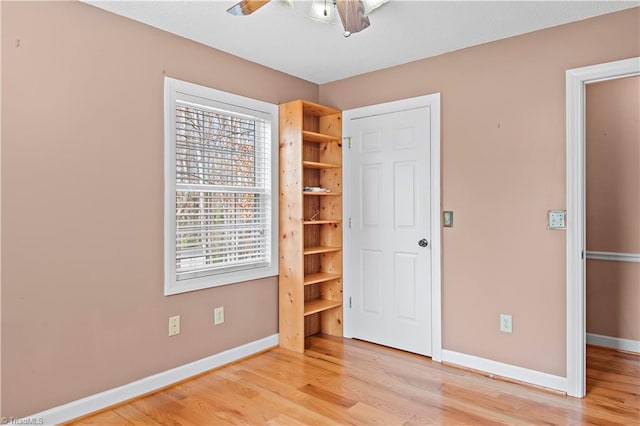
x,y
557,219
447,219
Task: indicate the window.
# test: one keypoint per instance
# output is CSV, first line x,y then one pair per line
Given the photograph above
x,y
220,187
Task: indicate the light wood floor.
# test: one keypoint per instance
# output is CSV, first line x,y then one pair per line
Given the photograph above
x,y
351,382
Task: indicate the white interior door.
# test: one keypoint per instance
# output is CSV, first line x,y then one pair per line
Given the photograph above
x,y
390,256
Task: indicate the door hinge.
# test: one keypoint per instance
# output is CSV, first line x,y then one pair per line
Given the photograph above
x,y
349,302
348,139
582,254
349,223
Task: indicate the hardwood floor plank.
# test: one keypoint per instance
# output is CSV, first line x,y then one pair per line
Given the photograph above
x,y
163,410
283,397
330,413
365,391
327,396
343,381
283,420
133,415
396,395
235,400
109,417
373,416
409,388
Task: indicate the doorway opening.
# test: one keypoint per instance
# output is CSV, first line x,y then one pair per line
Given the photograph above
x,y
576,81
613,213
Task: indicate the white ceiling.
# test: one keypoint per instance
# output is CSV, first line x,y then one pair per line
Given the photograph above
x,y
401,31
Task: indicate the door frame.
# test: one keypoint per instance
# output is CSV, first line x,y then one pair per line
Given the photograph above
x,y
576,81
433,102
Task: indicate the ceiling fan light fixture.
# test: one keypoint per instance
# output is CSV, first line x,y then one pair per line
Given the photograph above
x,y
353,13
371,5
323,11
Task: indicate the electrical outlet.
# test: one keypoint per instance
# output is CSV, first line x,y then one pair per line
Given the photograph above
x,y
174,325
506,324
218,315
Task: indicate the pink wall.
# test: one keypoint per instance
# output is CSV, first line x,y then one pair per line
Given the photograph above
x,y
613,206
83,309
613,299
503,167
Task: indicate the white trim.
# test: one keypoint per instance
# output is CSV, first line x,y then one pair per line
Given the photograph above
x,y
175,90
433,102
576,79
346,227
102,400
614,257
508,371
613,342
436,236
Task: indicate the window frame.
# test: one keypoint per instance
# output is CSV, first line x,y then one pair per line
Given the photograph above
x,y
178,90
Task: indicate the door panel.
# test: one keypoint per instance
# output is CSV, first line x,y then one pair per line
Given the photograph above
x,y
371,202
372,292
405,280
404,192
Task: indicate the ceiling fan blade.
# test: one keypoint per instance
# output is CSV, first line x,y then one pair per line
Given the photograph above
x,y
246,7
352,16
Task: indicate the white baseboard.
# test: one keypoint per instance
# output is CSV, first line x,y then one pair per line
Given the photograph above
x,y
613,342
90,404
505,370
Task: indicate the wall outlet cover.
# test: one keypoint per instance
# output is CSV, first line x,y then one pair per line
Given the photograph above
x,y
174,325
218,315
506,323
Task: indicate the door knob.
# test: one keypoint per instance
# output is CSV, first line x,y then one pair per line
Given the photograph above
x,y
423,242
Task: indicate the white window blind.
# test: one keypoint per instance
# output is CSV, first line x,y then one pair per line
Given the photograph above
x,y
222,193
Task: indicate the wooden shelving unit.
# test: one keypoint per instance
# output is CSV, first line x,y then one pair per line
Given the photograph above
x,y
310,285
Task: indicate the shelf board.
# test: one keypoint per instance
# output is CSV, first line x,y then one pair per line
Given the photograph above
x,y
320,249
319,305
316,165
320,277
312,108
322,222
315,137
321,193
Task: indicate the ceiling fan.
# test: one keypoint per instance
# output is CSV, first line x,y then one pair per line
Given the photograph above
x,y
354,14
